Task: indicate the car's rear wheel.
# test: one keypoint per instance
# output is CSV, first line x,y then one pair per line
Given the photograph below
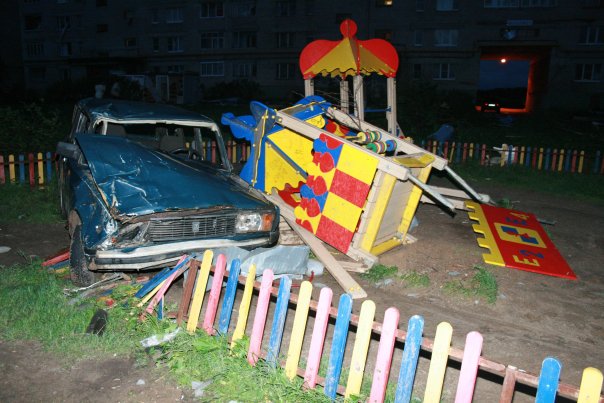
x,y
80,274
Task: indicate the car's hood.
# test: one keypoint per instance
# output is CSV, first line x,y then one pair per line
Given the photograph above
x,y
136,180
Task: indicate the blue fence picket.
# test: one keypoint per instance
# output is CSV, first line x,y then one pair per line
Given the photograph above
x,y
48,166
21,168
274,344
548,381
153,282
413,343
527,157
338,345
229,297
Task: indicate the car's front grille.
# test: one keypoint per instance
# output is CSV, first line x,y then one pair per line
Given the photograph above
x,y
207,226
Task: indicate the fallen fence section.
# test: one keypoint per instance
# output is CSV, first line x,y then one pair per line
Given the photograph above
x,y
546,383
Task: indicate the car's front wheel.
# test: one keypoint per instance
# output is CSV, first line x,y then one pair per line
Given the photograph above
x,y
80,274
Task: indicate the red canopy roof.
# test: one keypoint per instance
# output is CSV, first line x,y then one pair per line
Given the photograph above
x,y
348,56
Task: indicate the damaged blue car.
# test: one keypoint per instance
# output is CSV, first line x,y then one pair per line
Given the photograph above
x,y
141,184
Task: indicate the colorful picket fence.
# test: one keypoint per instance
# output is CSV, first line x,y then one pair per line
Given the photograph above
x,y
547,383
37,169
539,158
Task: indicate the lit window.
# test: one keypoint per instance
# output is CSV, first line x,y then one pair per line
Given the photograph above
x,y
383,3
211,69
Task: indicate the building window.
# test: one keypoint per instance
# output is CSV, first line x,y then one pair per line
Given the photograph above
x,y
538,3
65,49
154,16
34,49
211,69
244,70
174,44
417,71
244,39
63,23
285,39
286,71
212,40
591,36
501,3
32,22
443,71
588,72
286,8
419,5
418,38
155,44
212,9
244,9
101,3
445,37
446,5
101,28
130,42
174,15
383,3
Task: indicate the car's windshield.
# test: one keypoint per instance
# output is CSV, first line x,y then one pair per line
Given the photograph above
x,y
194,142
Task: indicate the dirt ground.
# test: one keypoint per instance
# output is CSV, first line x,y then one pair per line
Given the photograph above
x,y
535,316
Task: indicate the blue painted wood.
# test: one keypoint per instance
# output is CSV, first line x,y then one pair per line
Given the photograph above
x,y
567,158
274,344
22,168
229,297
597,162
548,381
528,157
510,155
413,344
338,345
548,153
458,153
153,282
48,166
160,309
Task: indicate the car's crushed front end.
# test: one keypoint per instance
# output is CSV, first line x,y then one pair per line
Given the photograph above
x,y
140,208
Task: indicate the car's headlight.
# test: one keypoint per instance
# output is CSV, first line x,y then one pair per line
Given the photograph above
x,y
254,222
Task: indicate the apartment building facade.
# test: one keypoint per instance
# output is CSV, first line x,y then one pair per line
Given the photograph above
x,y
181,47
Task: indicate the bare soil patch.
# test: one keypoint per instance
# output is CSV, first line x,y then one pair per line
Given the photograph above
x,y
535,316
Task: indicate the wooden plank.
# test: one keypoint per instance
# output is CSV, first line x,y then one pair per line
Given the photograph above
x,y
298,329
360,349
318,338
406,376
469,368
548,381
384,356
509,385
200,289
274,343
338,346
438,363
187,293
244,305
316,245
208,320
229,297
591,385
264,298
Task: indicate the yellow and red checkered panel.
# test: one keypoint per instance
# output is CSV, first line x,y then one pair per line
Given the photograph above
x,y
335,192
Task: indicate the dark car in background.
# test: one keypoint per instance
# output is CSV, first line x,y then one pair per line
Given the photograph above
x,y
141,184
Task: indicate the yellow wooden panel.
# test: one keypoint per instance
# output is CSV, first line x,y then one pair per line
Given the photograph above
x,y
377,214
342,212
438,363
298,328
278,172
413,201
244,305
200,289
591,385
360,349
415,161
357,164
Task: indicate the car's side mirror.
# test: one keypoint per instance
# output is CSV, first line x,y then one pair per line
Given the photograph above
x,y
69,150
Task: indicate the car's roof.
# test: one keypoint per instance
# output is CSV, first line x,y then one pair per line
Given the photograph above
x,y
119,109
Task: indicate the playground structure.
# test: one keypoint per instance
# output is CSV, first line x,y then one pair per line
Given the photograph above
x,y
347,182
